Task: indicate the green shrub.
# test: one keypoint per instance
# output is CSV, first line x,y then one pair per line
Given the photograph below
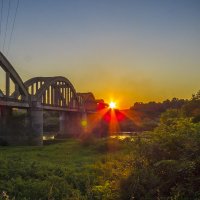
x,y
167,165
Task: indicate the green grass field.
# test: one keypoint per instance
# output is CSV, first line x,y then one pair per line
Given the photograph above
x,y
68,169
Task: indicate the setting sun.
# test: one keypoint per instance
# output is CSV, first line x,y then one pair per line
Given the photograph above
x,y
112,105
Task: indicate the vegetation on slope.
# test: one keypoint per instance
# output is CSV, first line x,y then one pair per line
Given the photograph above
x,y
167,166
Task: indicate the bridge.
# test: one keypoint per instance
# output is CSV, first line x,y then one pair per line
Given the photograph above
x,y
44,93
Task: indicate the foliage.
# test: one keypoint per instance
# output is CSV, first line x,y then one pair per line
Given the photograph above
x,y
192,108
167,166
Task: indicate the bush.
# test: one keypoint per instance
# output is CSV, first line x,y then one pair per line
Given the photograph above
x,y
167,165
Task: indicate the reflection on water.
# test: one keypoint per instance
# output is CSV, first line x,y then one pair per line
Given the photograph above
x,y
48,137
120,137
124,135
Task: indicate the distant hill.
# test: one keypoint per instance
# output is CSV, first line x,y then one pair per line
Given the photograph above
x,y
154,109
145,116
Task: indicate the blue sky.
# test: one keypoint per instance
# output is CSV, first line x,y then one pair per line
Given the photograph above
x,y
124,50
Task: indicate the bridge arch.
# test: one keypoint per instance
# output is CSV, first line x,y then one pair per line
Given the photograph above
x,y
53,91
88,100
20,88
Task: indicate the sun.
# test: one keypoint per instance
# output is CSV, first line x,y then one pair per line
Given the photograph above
x,y
112,105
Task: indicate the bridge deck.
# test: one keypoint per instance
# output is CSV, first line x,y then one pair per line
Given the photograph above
x,y
57,108
10,102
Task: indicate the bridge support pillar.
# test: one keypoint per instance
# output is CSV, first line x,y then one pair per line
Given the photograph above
x,y
5,115
36,123
71,124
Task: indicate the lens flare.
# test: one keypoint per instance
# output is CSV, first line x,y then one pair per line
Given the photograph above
x,y
112,105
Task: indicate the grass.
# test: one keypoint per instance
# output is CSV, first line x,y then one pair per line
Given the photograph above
x,y
71,169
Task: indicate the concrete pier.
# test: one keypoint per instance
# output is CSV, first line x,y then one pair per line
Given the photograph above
x,y
5,114
36,124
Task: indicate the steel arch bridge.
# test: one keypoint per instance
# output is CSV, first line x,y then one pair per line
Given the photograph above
x,y
53,93
44,93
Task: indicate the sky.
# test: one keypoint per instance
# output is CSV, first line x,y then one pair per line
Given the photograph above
x,y
125,50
